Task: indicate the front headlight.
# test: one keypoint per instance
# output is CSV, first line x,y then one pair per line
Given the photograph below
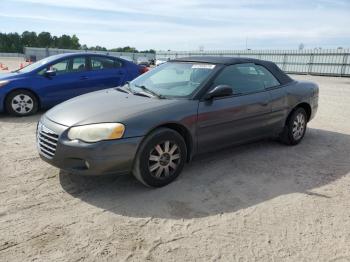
x,y
4,82
97,132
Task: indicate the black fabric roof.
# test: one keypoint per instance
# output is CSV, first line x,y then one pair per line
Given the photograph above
x,y
272,67
216,59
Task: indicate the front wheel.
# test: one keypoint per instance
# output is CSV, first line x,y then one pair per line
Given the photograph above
x,y
21,103
295,128
161,158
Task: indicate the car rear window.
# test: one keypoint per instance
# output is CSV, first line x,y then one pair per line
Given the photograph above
x,y
98,63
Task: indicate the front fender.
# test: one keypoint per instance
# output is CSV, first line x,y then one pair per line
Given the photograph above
x,y
182,113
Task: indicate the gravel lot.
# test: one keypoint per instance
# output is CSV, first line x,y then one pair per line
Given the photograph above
x,y
259,202
12,63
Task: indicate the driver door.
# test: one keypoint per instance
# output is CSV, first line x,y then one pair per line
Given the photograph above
x,y
70,80
235,119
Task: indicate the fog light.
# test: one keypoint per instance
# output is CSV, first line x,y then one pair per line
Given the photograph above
x,y
87,164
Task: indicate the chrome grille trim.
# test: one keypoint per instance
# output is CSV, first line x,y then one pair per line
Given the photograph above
x,y
46,141
48,137
47,146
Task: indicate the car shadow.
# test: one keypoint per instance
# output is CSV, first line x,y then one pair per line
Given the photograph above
x,y
224,181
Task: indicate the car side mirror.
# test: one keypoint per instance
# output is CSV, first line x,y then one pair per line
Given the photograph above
x,y
219,91
50,73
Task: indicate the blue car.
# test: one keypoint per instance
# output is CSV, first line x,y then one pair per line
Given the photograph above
x,y
55,79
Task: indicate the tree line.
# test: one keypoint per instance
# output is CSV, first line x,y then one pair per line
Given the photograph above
x,y
15,43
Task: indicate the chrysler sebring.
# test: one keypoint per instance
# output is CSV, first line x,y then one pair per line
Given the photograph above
x,y
150,127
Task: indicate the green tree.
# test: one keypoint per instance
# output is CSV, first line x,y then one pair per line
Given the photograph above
x,y
64,42
75,42
13,42
98,48
29,39
126,49
54,42
84,47
44,39
152,51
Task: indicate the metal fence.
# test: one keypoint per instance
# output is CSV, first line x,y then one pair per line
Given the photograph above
x,y
333,62
10,55
40,53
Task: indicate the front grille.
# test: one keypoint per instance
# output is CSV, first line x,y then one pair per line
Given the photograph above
x,y
46,141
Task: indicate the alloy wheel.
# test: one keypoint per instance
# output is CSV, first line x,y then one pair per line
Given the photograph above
x,y
164,159
22,104
299,126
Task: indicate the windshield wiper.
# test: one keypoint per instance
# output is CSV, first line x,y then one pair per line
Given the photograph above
x,y
145,89
121,90
126,89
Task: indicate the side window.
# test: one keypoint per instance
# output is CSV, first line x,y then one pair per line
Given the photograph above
x,y
78,64
259,72
99,62
75,64
246,78
61,67
118,63
266,76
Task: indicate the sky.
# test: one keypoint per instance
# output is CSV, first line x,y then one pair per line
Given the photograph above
x,y
186,24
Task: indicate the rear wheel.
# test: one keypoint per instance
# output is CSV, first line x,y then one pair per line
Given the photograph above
x,y
161,158
295,128
21,103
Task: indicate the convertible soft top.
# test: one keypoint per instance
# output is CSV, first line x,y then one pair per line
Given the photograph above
x,y
272,67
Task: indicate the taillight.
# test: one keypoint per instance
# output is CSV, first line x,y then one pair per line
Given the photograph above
x,y
144,69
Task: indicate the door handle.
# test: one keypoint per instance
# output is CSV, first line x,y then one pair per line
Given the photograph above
x,y
84,78
264,103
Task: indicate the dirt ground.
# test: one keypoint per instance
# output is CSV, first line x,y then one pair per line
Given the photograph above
x,y
12,63
259,202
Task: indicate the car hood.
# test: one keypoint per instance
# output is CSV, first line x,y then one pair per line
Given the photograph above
x,y
105,106
9,76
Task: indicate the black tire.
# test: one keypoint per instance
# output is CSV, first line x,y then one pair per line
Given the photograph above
x,y
26,101
288,135
148,149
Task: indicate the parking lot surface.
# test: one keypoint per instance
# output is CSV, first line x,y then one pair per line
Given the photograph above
x,y
8,64
259,202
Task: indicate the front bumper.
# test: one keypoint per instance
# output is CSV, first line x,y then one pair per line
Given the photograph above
x,y
105,157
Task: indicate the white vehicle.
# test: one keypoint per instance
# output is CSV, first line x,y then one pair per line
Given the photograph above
x,y
160,61
143,61
127,58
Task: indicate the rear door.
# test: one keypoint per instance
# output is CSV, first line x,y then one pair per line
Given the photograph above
x,y
238,118
105,72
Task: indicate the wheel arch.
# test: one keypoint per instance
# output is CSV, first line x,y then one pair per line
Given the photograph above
x,y
306,106
183,131
26,89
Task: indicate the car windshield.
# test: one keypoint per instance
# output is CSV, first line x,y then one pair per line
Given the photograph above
x,y
173,79
37,64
